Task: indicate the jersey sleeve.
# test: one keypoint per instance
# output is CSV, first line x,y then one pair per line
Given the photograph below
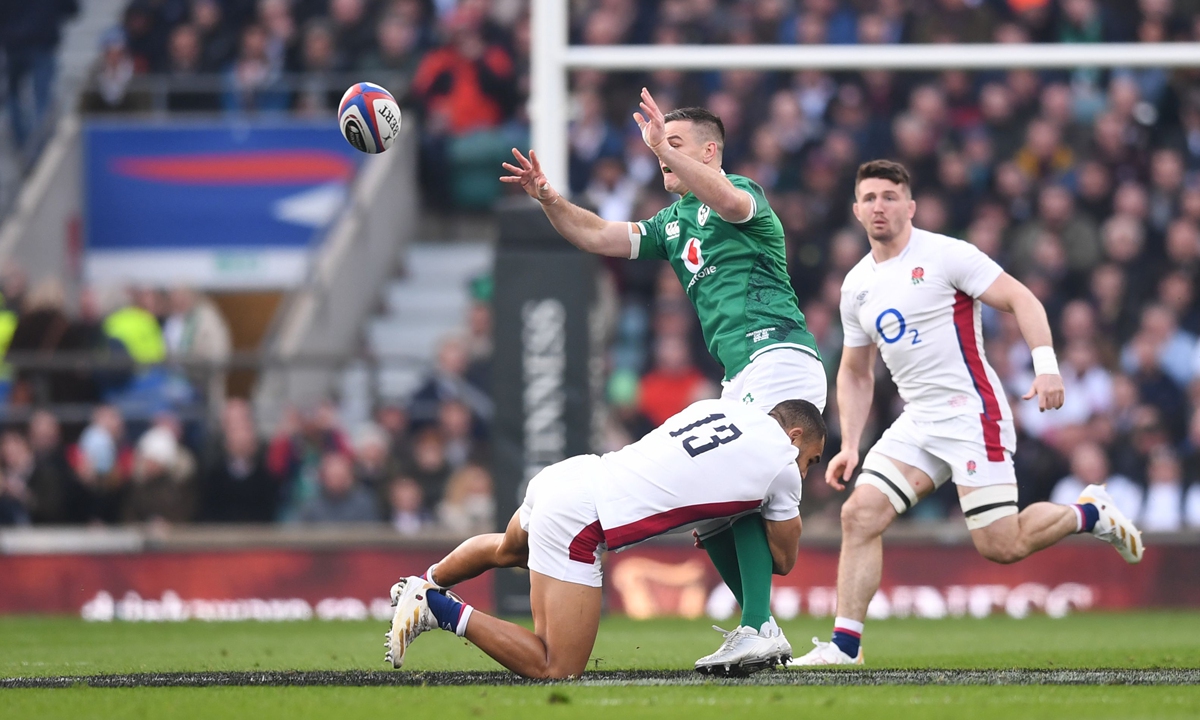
x,y
852,333
969,269
760,209
783,495
646,239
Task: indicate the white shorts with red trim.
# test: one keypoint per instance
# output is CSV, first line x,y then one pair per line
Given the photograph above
x,y
953,448
565,539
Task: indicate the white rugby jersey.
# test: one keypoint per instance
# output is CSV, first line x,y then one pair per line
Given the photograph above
x,y
713,459
920,310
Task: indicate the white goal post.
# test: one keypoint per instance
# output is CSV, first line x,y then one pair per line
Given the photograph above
x,y
553,57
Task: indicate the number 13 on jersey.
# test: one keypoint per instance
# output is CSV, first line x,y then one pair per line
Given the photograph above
x,y
720,435
892,328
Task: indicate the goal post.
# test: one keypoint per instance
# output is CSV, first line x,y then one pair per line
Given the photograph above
x,y
553,58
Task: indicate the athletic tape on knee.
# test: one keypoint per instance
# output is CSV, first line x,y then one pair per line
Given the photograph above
x,y
988,504
881,473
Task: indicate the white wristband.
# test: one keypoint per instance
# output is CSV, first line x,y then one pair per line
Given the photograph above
x,y
1044,361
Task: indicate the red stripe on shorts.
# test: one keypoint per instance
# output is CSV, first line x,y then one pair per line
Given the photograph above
x,y
583,546
964,325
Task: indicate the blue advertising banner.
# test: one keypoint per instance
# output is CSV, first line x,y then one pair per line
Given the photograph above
x,y
217,204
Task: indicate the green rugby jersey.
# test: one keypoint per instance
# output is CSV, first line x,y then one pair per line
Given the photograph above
x,y
734,273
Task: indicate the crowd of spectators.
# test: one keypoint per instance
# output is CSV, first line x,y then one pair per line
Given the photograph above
x,y
1084,184
161,443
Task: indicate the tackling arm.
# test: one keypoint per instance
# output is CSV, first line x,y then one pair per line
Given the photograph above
x,y
783,537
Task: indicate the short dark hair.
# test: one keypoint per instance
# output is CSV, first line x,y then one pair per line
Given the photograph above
x,y
801,414
884,170
702,117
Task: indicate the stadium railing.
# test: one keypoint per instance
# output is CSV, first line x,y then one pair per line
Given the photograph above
x,y
291,377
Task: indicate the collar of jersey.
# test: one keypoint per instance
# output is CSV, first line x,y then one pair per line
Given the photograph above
x,y
903,252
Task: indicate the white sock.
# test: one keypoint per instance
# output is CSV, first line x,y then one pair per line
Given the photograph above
x,y
841,623
429,577
462,621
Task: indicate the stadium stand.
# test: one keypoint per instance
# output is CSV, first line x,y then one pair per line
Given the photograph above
x,y
1084,184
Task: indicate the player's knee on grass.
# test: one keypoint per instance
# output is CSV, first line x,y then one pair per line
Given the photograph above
x,y
564,670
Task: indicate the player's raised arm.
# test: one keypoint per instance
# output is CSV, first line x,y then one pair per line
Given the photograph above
x,y
1008,294
705,181
583,229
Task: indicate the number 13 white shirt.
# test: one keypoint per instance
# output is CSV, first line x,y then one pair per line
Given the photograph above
x,y
713,459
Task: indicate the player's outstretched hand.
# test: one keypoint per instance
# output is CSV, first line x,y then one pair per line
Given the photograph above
x,y
653,124
1049,391
530,176
841,468
696,540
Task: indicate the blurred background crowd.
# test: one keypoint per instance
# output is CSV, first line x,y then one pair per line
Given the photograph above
x,y
145,432
1083,184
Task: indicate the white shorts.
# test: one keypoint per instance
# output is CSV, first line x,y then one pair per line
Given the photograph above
x,y
778,375
565,539
953,448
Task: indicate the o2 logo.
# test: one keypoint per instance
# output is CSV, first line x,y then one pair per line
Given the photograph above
x,y
896,330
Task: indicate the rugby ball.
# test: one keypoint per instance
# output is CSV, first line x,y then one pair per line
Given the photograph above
x,y
369,117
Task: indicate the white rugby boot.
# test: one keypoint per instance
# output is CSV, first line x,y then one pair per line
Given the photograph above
x,y
411,618
826,653
1113,527
746,650
783,648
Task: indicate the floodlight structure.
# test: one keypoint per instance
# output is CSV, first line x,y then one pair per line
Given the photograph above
x,y
553,57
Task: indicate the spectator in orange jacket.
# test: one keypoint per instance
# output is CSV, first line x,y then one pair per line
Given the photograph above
x,y
468,83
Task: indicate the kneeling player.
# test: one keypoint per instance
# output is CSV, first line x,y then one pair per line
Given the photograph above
x,y
713,460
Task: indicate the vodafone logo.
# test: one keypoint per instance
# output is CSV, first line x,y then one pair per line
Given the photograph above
x,y
692,258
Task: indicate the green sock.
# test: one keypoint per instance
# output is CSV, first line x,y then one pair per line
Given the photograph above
x,y
754,564
723,551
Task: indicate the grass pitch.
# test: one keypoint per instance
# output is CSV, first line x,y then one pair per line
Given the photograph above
x,y
914,662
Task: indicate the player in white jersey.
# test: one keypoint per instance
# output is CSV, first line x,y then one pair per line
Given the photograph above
x,y
916,298
713,460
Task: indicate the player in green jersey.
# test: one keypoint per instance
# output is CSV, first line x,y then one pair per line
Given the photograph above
x,y
727,248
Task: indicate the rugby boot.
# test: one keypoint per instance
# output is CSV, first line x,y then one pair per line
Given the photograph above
x,y
744,651
826,653
1113,527
411,617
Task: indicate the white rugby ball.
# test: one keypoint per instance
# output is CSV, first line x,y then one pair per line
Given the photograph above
x,y
369,117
